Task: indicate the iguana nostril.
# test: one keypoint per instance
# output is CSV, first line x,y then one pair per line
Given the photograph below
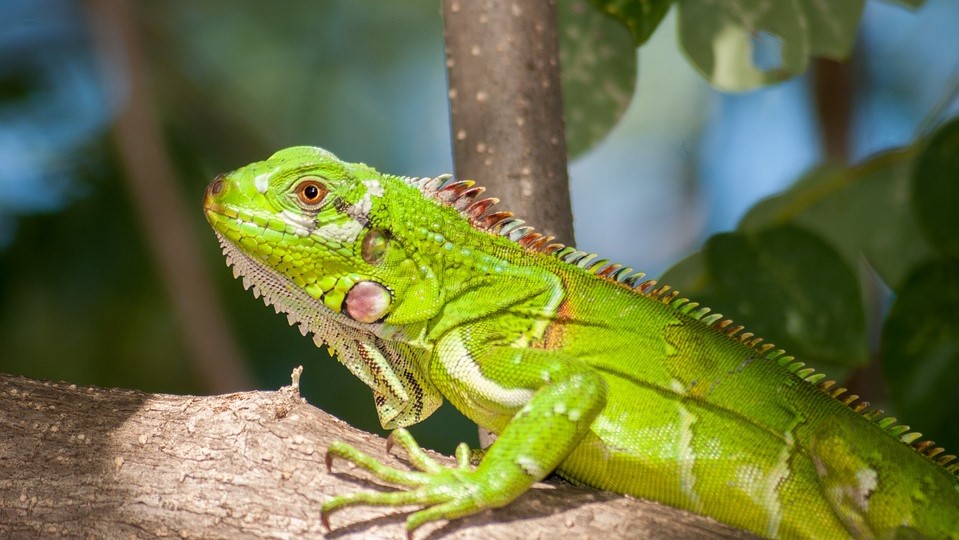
x,y
213,190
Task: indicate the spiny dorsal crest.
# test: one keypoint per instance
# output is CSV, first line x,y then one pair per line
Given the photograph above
x,y
462,195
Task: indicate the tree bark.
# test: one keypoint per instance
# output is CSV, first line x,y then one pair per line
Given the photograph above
x,y
106,463
506,107
506,110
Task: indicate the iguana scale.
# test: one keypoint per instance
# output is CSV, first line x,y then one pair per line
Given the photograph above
x,y
582,367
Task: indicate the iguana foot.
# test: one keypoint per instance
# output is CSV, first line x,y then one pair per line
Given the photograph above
x,y
449,492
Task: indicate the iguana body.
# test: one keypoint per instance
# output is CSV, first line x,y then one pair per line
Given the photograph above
x,y
580,367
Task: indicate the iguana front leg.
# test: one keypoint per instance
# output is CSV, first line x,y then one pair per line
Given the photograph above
x,y
536,432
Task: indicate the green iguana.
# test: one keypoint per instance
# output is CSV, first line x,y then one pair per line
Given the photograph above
x,y
581,367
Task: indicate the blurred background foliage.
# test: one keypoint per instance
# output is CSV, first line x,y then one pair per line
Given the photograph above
x,y
819,211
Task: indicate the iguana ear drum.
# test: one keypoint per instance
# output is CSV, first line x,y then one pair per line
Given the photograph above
x,y
374,246
368,301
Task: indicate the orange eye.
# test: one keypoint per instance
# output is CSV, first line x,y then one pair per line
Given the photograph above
x,y
310,192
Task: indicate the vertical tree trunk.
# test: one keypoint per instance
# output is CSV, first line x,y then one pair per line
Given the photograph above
x,y
502,59
506,109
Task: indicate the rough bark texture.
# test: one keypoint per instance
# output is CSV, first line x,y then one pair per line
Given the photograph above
x,y
506,107
105,463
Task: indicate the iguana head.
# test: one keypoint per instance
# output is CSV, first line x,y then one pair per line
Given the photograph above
x,y
310,234
300,221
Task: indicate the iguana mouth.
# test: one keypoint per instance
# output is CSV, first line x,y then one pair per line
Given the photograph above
x,y
211,206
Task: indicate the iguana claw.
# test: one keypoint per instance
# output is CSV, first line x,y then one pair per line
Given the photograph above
x,y
452,492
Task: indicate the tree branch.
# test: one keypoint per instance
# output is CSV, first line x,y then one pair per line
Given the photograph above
x,y
506,107
107,463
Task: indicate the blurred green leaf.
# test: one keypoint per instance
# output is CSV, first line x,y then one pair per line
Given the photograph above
x,y
832,26
598,73
920,343
908,3
743,44
784,284
844,206
774,281
935,189
640,16
689,276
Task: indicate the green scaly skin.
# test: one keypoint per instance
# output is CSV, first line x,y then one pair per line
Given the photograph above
x,y
579,366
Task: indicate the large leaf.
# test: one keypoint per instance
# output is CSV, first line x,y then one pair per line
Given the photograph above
x,y
832,26
785,284
920,343
861,211
690,276
598,70
743,44
640,16
935,189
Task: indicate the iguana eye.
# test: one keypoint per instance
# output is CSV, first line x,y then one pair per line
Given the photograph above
x,y
311,192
